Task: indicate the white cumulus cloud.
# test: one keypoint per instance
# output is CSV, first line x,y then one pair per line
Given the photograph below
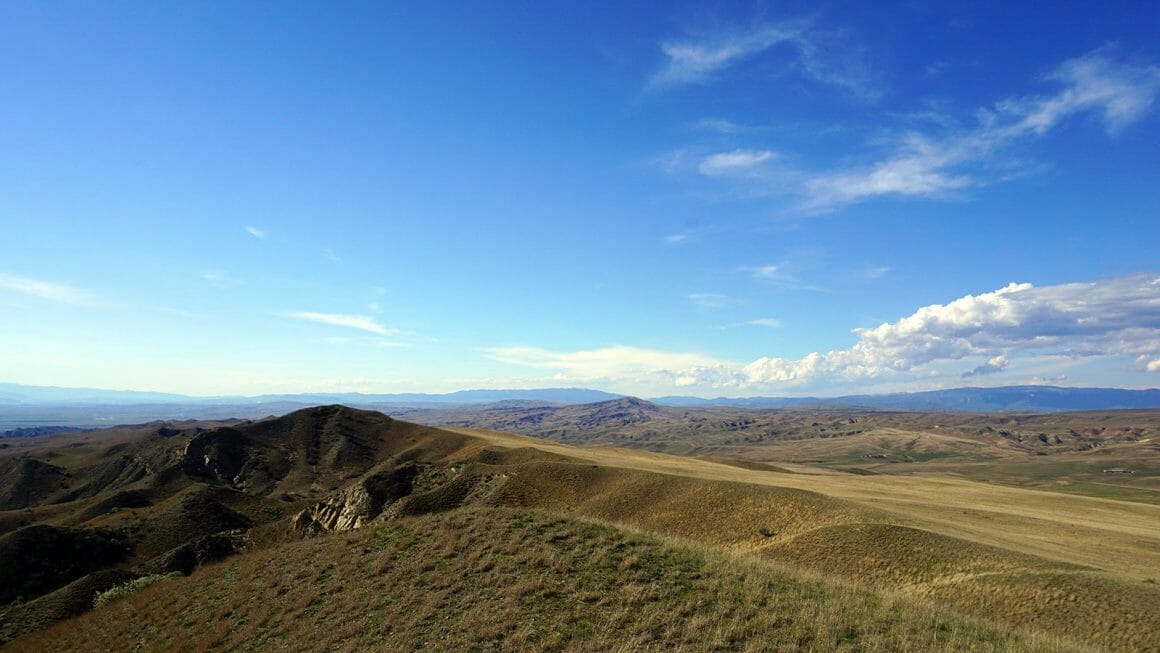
x,y
993,365
1117,318
1110,317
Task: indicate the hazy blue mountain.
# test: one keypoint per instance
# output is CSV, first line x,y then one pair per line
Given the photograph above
x,y
35,406
551,395
13,393
1028,398
24,406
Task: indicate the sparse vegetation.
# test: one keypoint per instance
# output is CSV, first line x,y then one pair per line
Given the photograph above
x,y
478,539
480,578
101,599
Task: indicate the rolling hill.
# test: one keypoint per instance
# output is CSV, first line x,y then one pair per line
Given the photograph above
x,y
333,527
23,406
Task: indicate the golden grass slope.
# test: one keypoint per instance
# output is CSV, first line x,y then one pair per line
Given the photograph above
x,y
503,579
1077,568
1073,565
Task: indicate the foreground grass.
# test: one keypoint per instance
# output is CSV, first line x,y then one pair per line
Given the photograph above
x,y
480,578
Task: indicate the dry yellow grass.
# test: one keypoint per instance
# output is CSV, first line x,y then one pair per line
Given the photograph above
x,y
503,579
1115,536
1062,563
1027,561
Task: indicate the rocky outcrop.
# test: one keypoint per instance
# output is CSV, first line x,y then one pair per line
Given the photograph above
x,y
219,454
359,503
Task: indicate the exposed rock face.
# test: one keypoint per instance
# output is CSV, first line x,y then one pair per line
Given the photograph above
x,y
218,454
359,503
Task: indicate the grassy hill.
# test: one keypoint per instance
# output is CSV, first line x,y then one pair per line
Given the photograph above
x,y
1076,447
316,517
496,578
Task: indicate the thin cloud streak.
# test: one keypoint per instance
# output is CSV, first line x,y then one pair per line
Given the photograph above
x,y
696,61
736,162
50,290
1118,94
780,276
712,301
765,322
360,322
823,57
946,161
220,278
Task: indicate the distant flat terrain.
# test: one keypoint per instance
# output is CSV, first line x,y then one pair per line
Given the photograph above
x,y
1109,454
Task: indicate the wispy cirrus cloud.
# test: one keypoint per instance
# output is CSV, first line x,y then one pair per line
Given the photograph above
x,y
697,60
943,157
825,57
1111,319
55,291
736,162
765,322
872,272
712,301
220,278
720,126
359,322
256,232
922,165
780,275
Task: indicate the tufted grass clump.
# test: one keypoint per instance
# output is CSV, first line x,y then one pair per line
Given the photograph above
x,y
101,599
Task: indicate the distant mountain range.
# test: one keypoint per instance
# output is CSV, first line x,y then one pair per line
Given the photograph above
x,y
12,393
1023,398
23,406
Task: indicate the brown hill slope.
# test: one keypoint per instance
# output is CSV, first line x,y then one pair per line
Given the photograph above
x,y
1039,555
1112,454
503,579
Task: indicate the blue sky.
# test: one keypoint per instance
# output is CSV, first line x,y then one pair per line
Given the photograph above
x,y
749,199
